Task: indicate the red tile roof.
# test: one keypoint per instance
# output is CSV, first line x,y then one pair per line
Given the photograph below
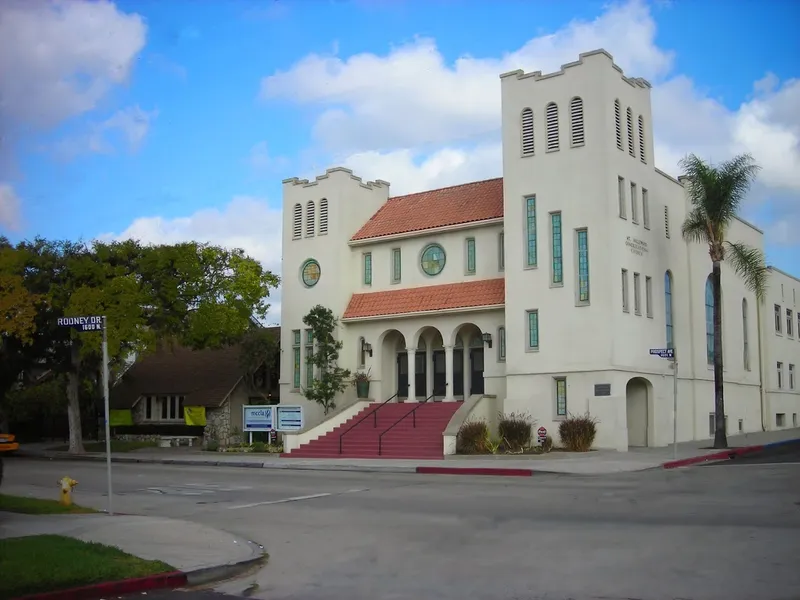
x,y
485,292
465,203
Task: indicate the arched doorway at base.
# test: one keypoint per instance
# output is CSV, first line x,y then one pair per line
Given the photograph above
x,y
637,409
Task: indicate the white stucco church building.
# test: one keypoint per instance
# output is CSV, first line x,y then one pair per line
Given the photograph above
x,y
543,289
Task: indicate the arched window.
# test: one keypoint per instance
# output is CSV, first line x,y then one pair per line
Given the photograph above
x,y
668,310
709,321
618,122
576,121
528,146
297,224
631,149
310,217
551,126
323,216
745,337
641,140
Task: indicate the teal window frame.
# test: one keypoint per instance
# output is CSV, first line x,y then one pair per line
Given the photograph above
x,y
368,268
530,231
309,263
471,266
309,355
533,329
582,241
422,259
557,273
296,363
501,344
561,396
501,251
397,265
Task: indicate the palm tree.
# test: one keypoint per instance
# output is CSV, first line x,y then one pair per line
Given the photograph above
x,y
716,194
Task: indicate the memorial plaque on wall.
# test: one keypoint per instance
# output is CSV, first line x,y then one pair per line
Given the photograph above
x,y
602,389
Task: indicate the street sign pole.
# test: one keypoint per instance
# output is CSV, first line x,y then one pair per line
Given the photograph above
x,y
675,407
108,416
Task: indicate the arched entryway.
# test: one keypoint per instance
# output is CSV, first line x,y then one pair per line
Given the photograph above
x,y
393,346
638,393
468,356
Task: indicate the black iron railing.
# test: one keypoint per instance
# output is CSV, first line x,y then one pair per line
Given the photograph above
x,y
373,414
413,414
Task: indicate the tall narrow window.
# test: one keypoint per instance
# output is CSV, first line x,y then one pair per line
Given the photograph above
x,y
641,140
296,361
396,265
362,353
646,208
791,377
323,216
528,148
637,295
745,337
557,271
631,148
778,318
648,296
576,116
551,126
501,251
310,219
561,396
309,357
533,329
297,222
368,268
634,203
789,322
501,344
625,301
470,251
709,321
618,123
780,374
666,221
530,231
583,265
623,210
668,309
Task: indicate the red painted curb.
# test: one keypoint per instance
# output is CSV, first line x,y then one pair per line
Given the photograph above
x,y
501,472
115,588
729,454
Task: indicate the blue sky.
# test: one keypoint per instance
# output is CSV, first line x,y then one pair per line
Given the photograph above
x,y
168,120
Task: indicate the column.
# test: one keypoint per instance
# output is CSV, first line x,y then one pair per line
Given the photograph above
x,y
412,365
448,367
467,372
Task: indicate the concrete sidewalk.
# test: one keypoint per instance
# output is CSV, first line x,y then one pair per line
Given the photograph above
x,y
203,553
599,462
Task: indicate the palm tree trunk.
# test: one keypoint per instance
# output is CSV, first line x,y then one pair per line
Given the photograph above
x,y
720,436
73,402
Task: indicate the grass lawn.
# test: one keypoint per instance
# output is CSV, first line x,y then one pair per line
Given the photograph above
x,y
116,446
45,563
35,506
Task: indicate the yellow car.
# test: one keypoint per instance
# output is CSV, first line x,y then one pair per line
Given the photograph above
x,y
7,443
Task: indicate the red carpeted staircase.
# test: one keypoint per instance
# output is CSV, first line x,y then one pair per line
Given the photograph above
x,y
404,440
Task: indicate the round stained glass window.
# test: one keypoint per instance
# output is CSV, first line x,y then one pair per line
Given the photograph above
x,y
433,259
310,273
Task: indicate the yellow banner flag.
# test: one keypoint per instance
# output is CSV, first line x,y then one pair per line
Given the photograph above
x,y
194,415
120,418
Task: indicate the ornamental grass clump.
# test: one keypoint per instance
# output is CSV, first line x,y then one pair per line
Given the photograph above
x,y
577,433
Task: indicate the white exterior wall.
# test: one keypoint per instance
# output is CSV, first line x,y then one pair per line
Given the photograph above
x,y
587,343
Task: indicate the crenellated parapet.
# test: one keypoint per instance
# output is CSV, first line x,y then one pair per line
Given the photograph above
x,y
370,185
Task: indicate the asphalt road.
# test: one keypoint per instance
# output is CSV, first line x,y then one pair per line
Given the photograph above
x,y
694,534
785,454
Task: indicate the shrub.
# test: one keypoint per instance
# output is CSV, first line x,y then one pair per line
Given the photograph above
x,y
515,429
259,447
577,433
548,444
472,438
212,446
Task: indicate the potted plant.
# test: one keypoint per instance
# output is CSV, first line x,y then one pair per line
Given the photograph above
x,y
361,380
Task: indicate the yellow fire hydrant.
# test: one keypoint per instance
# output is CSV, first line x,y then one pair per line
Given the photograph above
x,y
66,483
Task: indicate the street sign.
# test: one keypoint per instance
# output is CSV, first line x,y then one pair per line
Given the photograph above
x,y
93,323
82,325
541,435
290,418
663,352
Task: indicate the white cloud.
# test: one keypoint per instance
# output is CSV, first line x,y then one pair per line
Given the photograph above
x,y
262,162
59,58
413,119
246,222
10,214
128,126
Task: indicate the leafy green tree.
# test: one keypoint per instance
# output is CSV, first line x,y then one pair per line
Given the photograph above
x,y
259,353
331,379
716,194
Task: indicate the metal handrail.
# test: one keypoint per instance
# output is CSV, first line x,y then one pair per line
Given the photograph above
x,y
412,412
374,412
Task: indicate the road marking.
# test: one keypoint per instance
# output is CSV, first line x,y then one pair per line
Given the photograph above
x,y
297,498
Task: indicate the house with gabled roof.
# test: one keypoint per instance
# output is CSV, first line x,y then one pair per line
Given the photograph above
x,y
542,291
177,391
